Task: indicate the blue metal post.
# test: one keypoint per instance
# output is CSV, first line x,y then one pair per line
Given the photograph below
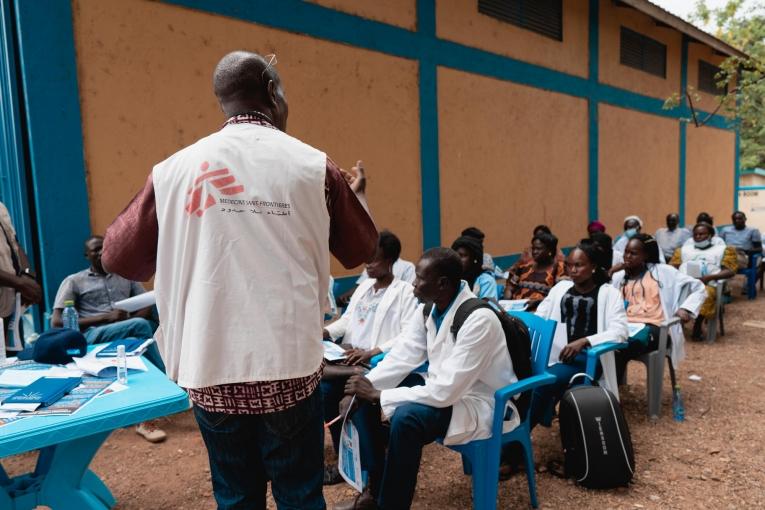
x,y
683,148
48,68
592,111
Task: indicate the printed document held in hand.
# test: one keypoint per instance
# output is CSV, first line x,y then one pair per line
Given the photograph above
x,y
349,456
332,351
135,303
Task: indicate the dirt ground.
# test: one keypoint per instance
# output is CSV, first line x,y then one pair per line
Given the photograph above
x,y
712,460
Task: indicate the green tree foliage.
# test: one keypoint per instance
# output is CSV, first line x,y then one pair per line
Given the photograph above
x,y
742,25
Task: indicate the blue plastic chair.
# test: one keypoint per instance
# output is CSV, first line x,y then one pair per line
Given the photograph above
x,y
751,274
594,353
481,458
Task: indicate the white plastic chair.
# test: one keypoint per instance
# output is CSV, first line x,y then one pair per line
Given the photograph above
x,y
654,364
719,312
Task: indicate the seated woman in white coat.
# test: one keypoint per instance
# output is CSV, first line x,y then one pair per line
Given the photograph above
x,y
706,257
652,293
589,312
379,310
454,400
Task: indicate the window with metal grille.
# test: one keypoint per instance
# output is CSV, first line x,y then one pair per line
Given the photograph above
x,y
708,79
642,52
541,16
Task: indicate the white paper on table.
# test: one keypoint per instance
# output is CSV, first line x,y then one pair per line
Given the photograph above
x,y
515,305
103,367
114,387
135,303
19,407
14,378
349,457
634,328
332,351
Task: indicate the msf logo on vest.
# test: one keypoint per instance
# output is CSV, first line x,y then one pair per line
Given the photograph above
x,y
200,197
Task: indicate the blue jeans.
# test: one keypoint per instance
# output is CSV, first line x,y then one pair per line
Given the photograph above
x,y
393,475
135,328
544,399
248,450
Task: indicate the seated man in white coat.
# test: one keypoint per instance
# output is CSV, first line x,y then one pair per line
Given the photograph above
x,y
380,308
454,400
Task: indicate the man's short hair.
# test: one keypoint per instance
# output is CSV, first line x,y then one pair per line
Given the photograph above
x,y
242,73
446,263
390,245
742,213
474,232
705,217
93,238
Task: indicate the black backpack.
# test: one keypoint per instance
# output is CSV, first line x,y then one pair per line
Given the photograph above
x,y
596,439
517,339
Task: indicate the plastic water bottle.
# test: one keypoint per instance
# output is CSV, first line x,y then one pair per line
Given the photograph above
x,y
70,318
122,374
678,409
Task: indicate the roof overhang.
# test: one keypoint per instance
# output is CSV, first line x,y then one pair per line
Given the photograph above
x,y
670,20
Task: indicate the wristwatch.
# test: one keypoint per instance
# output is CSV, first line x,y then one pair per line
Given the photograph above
x,y
28,272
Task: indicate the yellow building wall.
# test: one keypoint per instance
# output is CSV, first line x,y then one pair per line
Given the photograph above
x,y
612,72
145,77
752,180
402,13
709,173
752,203
638,167
511,157
460,21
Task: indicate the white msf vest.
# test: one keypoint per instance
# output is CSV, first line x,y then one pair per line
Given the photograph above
x,y
242,258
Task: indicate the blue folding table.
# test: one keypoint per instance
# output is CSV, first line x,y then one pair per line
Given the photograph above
x,y
62,479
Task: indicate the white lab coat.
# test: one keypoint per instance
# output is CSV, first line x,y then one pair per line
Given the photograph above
x,y
671,285
397,307
462,373
612,326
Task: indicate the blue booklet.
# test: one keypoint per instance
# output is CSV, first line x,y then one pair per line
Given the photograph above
x,y
44,391
133,347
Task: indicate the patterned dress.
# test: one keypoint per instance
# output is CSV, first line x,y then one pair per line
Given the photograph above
x,y
534,283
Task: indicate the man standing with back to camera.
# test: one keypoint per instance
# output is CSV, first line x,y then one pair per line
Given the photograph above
x,y
247,216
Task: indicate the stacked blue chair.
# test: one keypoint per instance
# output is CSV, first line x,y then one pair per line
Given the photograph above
x,y
481,458
751,274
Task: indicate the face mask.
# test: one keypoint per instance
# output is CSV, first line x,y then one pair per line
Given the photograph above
x,y
703,244
630,233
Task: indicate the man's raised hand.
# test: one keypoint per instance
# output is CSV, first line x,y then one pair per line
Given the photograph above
x,y
356,178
